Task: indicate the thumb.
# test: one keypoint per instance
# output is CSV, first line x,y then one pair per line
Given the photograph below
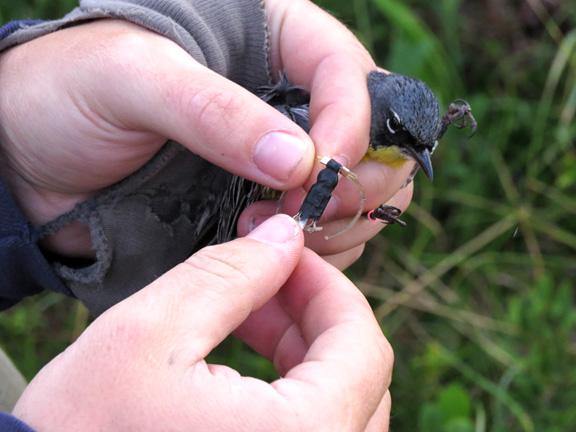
x,y
132,356
188,311
166,91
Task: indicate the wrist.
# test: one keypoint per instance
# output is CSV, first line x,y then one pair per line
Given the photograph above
x,y
41,206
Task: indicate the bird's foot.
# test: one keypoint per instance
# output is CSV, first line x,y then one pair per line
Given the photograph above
x,y
386,214
459,115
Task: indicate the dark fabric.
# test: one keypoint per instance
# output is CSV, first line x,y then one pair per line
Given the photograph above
x,y
9,423
13,26
24,270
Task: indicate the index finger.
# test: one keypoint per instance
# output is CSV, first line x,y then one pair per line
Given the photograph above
x,y
322,55
349,361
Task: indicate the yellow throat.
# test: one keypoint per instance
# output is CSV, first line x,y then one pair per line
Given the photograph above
x,y
388,155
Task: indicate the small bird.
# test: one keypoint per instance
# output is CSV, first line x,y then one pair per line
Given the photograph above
x,y
405,125
405,120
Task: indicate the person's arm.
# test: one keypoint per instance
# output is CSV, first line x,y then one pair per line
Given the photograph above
x,y
13,26
9,423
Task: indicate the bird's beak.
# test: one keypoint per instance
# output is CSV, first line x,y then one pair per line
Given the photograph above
x,y
423,159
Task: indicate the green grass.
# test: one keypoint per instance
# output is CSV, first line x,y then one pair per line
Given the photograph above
x,y
477,294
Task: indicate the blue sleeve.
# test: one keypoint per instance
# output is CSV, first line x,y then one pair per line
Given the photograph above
x,y
24,270
9,423
12,26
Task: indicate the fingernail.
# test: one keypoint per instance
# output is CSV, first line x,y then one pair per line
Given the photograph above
x,y
277,154
256,221
277,229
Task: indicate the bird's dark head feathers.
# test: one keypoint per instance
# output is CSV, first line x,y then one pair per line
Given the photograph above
x,y
409,104
405,116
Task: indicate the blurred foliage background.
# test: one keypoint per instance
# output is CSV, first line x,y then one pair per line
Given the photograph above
x,y
477,293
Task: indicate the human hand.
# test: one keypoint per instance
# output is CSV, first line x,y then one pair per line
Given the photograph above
x,y
334,70
92,110
141,365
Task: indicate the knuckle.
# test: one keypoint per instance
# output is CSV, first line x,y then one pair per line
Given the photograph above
x,y
212,106
217,268
119,55
122,48
129,43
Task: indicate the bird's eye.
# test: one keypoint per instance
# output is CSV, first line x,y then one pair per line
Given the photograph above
x,y
393,123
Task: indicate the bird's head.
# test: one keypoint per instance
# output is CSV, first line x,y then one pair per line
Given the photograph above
x,y
406,121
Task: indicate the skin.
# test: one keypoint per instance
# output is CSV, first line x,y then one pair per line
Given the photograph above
x,y
101,107
146,354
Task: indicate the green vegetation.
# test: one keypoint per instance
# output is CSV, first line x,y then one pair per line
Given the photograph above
x,y
477,293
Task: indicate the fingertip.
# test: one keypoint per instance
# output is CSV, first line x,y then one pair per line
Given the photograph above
x,y
254,215
277,230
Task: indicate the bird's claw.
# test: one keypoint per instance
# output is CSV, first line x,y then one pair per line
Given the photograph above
x,y
459,115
